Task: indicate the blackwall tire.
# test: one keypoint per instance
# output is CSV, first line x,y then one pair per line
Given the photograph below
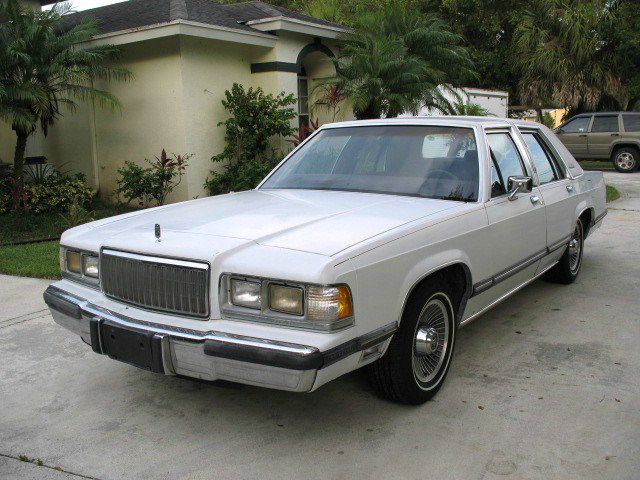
x,y
419,356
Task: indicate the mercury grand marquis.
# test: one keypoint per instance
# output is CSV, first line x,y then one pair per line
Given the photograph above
x,y
370,244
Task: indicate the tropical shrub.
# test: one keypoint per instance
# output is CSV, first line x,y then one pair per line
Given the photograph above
x,y
249,153
151,184
303,133
54,194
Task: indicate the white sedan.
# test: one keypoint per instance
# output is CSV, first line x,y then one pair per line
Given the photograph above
x,y
370,244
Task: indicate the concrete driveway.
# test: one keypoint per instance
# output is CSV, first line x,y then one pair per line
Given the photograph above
x,y
544,386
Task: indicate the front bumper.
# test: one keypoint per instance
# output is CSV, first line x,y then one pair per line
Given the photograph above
x,y
210,355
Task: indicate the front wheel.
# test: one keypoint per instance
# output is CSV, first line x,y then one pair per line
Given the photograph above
x,y
568,267
418,358
626,159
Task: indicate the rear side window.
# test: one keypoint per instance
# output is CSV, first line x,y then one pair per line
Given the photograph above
x,y
577,125
506,162
631,122
605,123
545,166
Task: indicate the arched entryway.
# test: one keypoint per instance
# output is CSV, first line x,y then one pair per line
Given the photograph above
x,y
315,64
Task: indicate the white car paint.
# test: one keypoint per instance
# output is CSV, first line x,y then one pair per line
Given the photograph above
x,y
379,245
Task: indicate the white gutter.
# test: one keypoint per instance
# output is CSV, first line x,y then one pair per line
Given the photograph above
x,y
184,27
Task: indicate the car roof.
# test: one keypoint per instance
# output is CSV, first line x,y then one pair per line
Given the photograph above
x,y
450,120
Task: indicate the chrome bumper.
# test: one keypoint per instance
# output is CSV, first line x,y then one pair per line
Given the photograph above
x,y
208,355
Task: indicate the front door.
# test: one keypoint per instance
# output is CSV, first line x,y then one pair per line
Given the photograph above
x,y
517,227
604,131
574,136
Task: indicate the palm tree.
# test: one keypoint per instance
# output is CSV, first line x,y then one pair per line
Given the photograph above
x,y
42,68
465,109
394,60
558,48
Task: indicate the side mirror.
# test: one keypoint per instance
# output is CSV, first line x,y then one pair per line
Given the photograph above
x,y
519,184
558,130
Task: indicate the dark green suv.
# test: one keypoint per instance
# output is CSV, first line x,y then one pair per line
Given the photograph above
x,y
613,136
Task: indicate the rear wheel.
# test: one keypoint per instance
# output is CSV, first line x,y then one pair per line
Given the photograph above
x,y
418,358
626,159
567,269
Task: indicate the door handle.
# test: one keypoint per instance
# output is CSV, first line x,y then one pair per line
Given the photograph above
x,y
615,134
535,199
569,188
583,135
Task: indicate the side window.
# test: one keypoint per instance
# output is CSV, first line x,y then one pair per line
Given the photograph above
x,y
577,125
605,123
541,158
631,122
507,162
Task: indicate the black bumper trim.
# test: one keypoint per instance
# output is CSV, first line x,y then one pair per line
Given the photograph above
x,y
296,361
57,302
263,356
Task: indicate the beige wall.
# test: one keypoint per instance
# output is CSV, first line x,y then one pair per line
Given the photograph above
x,y
174,102
209,68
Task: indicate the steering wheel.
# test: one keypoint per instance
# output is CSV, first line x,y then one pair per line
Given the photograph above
x,y
437,175
441,174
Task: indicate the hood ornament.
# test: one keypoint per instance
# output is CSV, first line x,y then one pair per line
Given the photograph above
x,y
157,232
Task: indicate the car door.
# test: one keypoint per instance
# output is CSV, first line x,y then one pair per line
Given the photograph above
x,y
517,227
558,193
605,129
574,136
631,128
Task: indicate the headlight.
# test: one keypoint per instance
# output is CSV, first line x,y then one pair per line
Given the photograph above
x,y
81,266
291,304
246,294
74,261
285,299
91,266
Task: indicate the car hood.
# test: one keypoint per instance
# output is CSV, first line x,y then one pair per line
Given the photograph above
x,y
320,222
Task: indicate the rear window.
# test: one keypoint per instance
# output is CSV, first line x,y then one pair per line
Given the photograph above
x,y
631,122
608,123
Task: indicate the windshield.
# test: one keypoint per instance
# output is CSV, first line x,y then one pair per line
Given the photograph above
x,y
423,161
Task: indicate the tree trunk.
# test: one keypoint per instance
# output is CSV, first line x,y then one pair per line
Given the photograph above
x,y
18,157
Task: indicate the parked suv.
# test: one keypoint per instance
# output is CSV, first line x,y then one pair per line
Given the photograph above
x,y
613,136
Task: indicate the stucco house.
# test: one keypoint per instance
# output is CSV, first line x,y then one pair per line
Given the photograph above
x,y
184,55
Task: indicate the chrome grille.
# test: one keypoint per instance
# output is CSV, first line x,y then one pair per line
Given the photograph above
x,y
167,285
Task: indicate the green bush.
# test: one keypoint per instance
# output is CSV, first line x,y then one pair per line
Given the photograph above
x,y
256,118
153,183
55,193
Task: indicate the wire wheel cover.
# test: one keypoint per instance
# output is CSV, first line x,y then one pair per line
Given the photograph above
x,y
575,250
431,339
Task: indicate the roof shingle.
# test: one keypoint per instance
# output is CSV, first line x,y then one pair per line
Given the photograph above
x,y
141,13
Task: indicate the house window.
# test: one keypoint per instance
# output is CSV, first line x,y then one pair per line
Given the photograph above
x,y
303,102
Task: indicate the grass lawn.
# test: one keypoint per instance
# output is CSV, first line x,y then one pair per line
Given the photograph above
x,y
596,165
33,260
38,259
24,227
612,193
